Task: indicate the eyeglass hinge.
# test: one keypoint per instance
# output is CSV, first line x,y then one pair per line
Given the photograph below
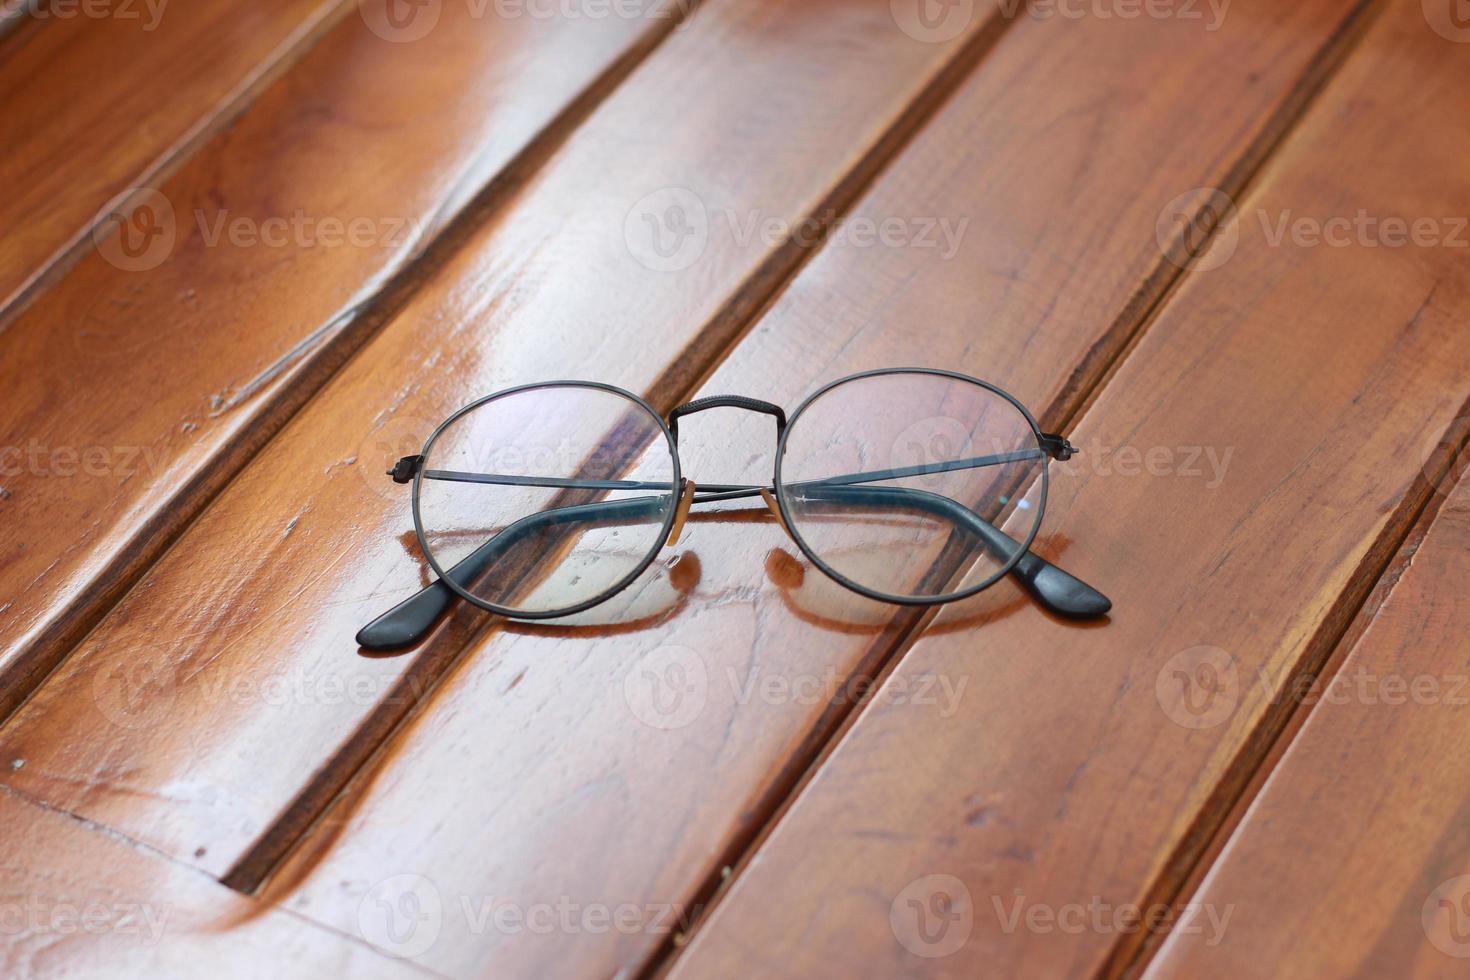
x,y
406,469
1057,447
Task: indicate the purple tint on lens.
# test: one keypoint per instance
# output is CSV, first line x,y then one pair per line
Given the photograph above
x,y
543,500
912,486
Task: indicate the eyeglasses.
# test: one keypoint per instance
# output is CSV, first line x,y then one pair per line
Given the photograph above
x,y
912,486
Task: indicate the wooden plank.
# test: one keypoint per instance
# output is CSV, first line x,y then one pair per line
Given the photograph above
x,y
78,901
1382,755
128,90
1077,776
135,389
580,798
170,722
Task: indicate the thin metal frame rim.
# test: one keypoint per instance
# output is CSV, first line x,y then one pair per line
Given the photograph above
x,y
843,580
621,584
779,488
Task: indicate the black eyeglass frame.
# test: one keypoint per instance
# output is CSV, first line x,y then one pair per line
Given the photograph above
x,y
1057,590
675,488
898,600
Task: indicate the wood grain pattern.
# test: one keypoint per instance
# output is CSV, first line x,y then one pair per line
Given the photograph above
x,y
212,697
1381,759
581,798
133,389
126,95
79,902
1085,768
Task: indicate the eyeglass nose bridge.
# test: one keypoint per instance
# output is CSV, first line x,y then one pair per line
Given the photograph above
x,y
727,401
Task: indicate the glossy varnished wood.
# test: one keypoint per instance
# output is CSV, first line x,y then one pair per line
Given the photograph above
x,y
170,722
580,796
1354,859
81,902
99,98
1085,769
1259,439
133,388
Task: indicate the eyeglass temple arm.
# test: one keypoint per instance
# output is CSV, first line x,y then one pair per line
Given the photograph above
x,y
408,622
1059,591
869,476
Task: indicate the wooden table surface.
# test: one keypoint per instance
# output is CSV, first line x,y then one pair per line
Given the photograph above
x,y
252,253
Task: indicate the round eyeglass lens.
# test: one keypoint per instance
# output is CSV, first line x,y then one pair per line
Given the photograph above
x,y
912,486
543,500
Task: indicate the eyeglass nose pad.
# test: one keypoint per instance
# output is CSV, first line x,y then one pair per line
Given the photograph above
x,y
770,500
686,497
